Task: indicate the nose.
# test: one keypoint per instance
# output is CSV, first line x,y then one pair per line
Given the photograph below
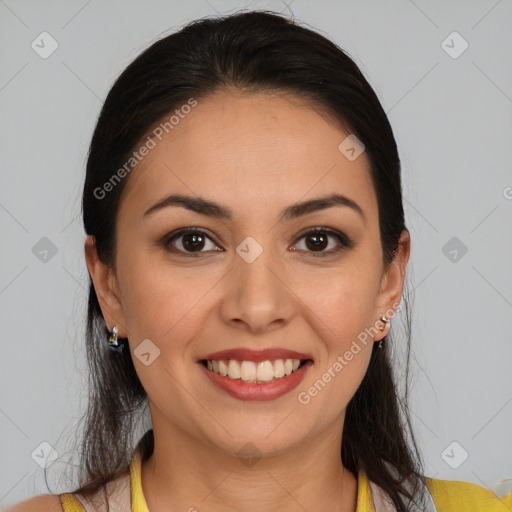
x,y
257,298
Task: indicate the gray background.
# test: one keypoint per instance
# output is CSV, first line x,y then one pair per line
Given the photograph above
x,y
452,120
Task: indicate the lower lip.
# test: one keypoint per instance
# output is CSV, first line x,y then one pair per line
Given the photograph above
x,y
253,391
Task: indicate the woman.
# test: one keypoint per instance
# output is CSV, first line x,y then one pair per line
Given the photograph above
x,y
247,251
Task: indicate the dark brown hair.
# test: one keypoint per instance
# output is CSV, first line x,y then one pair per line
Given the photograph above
x,y
250,51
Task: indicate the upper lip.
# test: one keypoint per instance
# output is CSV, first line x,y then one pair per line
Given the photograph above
x,y
246,354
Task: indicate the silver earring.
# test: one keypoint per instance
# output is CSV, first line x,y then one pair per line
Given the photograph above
x,y
114,343
385,320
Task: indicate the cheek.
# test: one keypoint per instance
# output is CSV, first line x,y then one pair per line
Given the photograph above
x,y
326,394
342,299
155,296
340,320
348,342
164,302
340,310
159,312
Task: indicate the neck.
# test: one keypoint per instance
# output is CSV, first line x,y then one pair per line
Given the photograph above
x,y
184,473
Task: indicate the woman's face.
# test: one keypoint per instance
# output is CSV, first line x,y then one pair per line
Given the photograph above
x,y
255,279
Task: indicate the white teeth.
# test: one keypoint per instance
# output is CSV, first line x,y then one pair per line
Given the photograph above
x,y
278,368
249,371
233,369
223,368
265,371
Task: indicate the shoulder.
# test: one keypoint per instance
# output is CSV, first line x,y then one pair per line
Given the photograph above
x,y
43,503
466,496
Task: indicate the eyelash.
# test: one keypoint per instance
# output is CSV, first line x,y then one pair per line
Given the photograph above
x,y
344,241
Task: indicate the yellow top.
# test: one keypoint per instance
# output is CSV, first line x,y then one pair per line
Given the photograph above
x,y
448,496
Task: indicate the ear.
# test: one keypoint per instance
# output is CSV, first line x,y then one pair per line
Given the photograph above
x,y
105,285
392,283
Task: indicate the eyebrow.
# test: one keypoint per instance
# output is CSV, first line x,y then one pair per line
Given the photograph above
x,y
210,208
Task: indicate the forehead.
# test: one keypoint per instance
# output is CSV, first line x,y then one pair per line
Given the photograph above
x,y
242,148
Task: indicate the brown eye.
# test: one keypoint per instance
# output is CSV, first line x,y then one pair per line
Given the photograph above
x,y
190,241
193,242
318,240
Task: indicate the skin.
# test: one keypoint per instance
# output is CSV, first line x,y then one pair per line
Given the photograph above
x,y
255,154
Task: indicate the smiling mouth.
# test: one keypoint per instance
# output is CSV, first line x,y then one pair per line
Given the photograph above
x,y
262,372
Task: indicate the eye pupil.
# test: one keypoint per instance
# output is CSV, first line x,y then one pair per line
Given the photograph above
x,y
193,241
319,241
